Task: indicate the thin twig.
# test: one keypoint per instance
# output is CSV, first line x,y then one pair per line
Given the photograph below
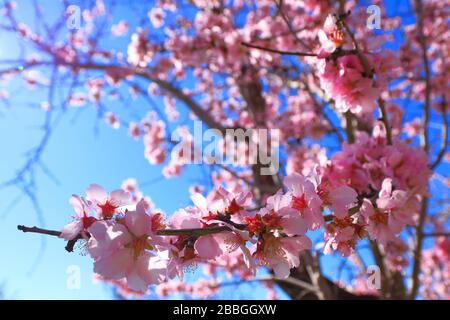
x,y
385,120
444,135
437,234
164,232
291,53
425,145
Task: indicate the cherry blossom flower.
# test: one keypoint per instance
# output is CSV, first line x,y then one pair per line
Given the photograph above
x,y
344,80
106,205
82,219
120,249
111,120
305,200
119,29
281,254
156,16
330,37
140,52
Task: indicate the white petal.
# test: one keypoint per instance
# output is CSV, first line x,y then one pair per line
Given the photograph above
x,y
96,193
71,230
116,265
120,198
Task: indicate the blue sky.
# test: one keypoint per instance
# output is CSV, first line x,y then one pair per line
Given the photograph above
x,y
81,150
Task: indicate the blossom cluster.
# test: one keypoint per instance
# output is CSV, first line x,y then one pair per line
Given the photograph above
x,y
129,241
389,195
347,77
364,190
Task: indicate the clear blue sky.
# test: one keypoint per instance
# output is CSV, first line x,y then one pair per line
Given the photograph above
x,y
77,155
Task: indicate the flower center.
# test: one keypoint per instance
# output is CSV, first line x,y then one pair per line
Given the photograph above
x,y
233,207
108,209
379,217
139,244
299,203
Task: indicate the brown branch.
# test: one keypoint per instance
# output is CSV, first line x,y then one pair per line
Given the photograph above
x,y
425,144
201,113
423,47
368,72
163,232
349,127
444,135
293,32
385,120
365,63
192,232
379,260
437,234
39,230
291,53
418,250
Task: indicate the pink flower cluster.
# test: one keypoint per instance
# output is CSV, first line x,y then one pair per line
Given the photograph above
x,y
388,193
436,270
133,245
344,80
154,138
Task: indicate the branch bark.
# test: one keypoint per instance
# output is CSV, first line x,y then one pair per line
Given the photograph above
x,y
425,144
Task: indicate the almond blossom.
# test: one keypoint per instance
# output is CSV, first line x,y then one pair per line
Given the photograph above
x,y
106,205
121,249
345,81
82,219
331,36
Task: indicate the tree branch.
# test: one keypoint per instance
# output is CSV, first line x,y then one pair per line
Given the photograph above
x,y
203,114
291,53
425,145
444,135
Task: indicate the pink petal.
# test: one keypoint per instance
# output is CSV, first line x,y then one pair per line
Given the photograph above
x,y
96,193
281,269
116,265
106,236
138,222
207,247
120,198
79,205
294,224
200,202
71,230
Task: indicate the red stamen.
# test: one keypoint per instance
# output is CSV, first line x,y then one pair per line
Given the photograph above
x,y
299,203
108,209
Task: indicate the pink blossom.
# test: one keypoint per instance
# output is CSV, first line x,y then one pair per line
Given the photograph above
x,y
82,220
345,82
153,139
119,29
342,199
120,250
304,200
111,120
330,37
133,130
156,16
106,205
140,52
282,254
